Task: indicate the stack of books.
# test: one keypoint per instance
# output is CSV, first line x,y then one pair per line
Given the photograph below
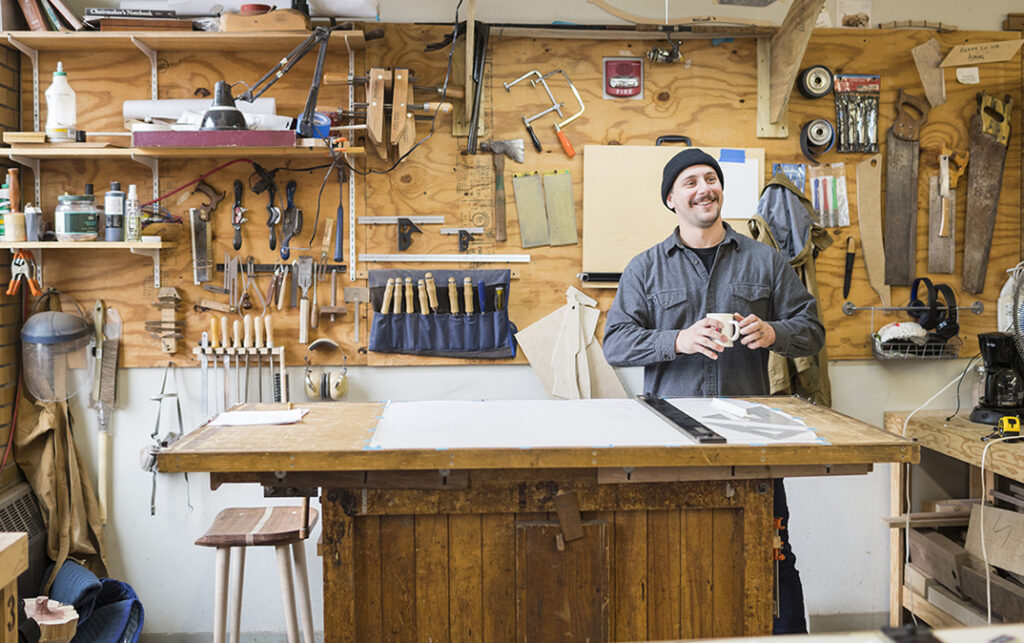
x,y
56,15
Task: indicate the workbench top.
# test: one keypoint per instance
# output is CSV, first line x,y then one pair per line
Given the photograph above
x,y
959,438
336,437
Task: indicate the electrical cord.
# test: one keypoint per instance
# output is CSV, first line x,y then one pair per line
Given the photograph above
x,y
981,519
906,491
966,368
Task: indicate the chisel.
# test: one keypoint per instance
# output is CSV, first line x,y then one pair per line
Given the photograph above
x,y
410,306
431,291
851,249
258,345
453,296
389,290
467,294
421,289
204,360
236,344
214,343
398,296
246,345
225,340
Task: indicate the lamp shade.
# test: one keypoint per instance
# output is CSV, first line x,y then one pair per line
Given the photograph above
x,y
222,114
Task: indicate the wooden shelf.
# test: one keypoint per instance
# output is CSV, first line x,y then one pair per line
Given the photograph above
x,y
87,41
83,245
43,152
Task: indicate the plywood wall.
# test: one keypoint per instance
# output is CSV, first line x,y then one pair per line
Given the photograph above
x,y
709,96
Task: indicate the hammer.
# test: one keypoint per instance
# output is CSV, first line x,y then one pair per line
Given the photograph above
x,y
512,148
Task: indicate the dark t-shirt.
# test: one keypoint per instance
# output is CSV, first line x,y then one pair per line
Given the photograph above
x,y
706,256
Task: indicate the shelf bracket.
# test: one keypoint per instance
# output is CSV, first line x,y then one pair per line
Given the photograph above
x,y
153,164
151,54
153,253
33,164
34,57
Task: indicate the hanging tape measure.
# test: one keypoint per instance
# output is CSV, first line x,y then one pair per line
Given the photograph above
x,y
817,137
815,82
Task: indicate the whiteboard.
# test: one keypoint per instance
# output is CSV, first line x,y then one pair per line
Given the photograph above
x,y
622,210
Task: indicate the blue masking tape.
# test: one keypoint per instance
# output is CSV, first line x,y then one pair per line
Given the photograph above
x,y
732,156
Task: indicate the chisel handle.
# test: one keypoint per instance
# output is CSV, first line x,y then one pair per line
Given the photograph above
x,y
247,338
389,290
431,290
281,288
268,322
453,296
257,332
421,289
398,296
467,294
304,320
225,338
410,304
236,334
213,332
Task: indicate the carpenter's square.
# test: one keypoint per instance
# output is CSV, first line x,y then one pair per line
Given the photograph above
x,y
988,135
237,215
903,148
305,278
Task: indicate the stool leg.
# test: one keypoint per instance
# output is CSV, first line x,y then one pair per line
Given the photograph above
x,y
238,580
220,593
302,590
284,572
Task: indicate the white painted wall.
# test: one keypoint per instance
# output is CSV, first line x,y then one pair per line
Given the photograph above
x,y
840,541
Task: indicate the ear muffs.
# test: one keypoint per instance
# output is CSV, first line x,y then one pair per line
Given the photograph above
x,y
929,317
325,385
948,325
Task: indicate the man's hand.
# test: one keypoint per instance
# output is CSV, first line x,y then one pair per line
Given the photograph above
x,y
754,331
703,338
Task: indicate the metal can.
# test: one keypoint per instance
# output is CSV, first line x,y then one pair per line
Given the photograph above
x,y
76,218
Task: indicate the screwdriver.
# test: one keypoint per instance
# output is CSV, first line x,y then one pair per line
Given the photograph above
x,y
453,296
467,294
398,296
431,291
410,303
388,291
422,290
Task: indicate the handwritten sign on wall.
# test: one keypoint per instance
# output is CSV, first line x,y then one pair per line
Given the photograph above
x,y
982,52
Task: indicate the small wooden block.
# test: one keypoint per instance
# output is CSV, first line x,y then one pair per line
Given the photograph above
x,y
568,507
278,20
937,556
399,100
24,137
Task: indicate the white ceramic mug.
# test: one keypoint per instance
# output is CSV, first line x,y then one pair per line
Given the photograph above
x,y
725,319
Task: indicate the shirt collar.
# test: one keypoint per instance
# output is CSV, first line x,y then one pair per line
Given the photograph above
x,y
673,243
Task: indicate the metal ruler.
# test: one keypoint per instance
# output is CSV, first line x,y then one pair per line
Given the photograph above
x,y
680,421
457,230
426,218
351,176
457,258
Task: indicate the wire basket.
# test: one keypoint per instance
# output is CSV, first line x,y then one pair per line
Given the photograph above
x,y
909,350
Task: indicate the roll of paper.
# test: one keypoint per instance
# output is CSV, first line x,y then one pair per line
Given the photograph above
x,y
172,109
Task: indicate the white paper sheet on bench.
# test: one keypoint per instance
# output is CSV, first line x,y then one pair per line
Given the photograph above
x,y
452,424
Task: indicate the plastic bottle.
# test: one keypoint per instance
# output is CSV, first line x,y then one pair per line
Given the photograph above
x,y
113,213
5,205
132,215
60,108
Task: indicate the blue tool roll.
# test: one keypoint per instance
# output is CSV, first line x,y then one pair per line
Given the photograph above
x,y
485,334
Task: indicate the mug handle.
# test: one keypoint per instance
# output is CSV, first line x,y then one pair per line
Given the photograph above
x,y
736,330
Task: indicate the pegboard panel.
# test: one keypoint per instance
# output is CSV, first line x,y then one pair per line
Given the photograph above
x,y
710,96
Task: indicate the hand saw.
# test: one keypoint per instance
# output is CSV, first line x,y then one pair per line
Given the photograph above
x,y
942,211
902,150
988,135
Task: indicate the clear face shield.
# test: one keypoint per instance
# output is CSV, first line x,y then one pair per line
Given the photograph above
x,y
57,355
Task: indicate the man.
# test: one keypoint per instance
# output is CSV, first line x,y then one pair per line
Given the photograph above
x,y
659,318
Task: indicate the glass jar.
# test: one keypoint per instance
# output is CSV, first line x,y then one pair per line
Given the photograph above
x,y
76,218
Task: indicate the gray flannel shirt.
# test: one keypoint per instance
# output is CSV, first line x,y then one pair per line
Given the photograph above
x,y
666,289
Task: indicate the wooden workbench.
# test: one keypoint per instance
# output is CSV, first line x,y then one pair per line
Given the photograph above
x,y
960,439
476,544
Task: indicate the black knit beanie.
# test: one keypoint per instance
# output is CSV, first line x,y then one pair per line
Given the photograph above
x,y
686,158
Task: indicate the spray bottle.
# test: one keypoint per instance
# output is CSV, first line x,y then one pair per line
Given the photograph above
x,y
132,215
60,108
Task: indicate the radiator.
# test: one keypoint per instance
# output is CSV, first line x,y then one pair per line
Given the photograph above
x,y
19,511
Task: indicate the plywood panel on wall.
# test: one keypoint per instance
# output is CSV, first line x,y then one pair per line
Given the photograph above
x,y
710,96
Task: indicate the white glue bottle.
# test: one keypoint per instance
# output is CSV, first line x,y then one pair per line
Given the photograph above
x,y
60,108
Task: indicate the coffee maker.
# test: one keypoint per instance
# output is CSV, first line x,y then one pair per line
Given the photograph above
x,y
1004,379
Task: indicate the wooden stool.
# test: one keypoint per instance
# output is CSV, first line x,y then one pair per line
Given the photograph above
x,y
240,527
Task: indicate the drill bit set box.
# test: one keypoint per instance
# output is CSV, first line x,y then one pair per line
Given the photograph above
x,y
443,313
